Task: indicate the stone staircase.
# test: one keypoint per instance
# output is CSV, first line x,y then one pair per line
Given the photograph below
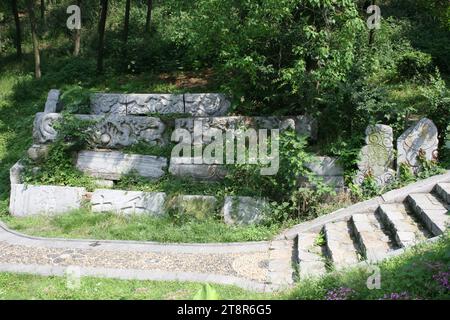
x,y
371,232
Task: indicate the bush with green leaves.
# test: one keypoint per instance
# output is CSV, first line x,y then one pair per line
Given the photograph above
x,y
414,64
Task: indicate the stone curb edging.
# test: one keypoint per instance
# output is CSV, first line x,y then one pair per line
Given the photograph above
x,y
393,196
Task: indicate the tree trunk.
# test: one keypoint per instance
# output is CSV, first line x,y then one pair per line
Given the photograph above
x,y
42,10
77,46
149,15
372,31
126,22
101,34
18,31
37,58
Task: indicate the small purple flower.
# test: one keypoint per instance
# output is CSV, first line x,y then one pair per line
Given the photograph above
x,y
396,296
442,278
341,293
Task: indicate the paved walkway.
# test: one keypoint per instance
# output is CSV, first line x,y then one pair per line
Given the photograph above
x,y
260,266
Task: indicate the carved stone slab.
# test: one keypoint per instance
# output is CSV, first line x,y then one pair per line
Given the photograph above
x,y
136,104
111,131
112,165
196,104
244,210
200,207
31,200
377,156
52,104
128,202
326,166
303,125
187,168
421,138
43,127
206,104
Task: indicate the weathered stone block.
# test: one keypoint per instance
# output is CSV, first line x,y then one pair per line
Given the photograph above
x,y
38,152
112,165
420,139
31,200
110,131
136,104
244,210
187,168
326,166
15,173
201,207
206,104
128,202
377,156
303,125
52,104
43,127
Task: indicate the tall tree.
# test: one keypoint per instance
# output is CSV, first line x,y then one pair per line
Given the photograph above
x,y
127,21
149,15
42,10
18,30
77,46
101,34
34,37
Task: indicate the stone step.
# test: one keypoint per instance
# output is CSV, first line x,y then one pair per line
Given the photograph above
x,y
373,242
340,246
406,231
310,260
111,165
196,104
443,191
432,211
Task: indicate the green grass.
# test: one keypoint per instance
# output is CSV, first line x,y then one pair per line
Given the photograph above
x,y
20,286
84,224
411,273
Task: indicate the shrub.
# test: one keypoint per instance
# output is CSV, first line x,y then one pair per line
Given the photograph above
x,y
414,64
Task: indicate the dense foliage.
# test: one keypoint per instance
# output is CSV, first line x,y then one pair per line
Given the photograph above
x,y
277,57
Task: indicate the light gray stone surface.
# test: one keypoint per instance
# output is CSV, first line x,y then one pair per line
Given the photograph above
x,y
206,104
422,138
29,200
303,125
195,205
244,210
371,239
102,183
185,167
431,210
340,246
112,165
15,173
38,152
311,262
52,104
326,166
443,190
376,158
110,131
128,202
43,127
136,104
405,230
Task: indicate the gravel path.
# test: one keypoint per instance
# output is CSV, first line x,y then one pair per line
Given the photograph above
x,y
260,266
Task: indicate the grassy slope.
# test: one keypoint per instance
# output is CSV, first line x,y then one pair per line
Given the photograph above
x,y
412,274
87,225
